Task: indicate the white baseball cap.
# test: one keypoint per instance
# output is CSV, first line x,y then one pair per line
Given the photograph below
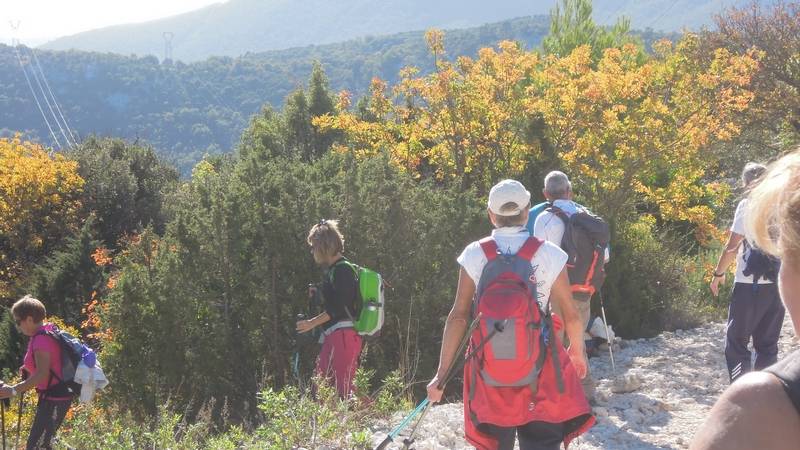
x,y
508,191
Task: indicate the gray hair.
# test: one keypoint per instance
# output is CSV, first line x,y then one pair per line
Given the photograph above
x,y
557,185
752,172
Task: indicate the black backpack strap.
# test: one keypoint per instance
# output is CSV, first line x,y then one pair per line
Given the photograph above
x,y
558,212
50,386
357,299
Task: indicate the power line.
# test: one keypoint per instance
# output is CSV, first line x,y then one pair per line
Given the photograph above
x,y
47,101
15,44
663,13
58,108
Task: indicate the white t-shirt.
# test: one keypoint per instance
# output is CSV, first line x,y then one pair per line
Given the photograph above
x,y
547,263
550,227
738,228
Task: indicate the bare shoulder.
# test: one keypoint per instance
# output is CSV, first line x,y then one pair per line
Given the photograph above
x,y
754,412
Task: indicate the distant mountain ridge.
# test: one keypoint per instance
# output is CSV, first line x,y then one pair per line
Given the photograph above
x,y
188,110
240,26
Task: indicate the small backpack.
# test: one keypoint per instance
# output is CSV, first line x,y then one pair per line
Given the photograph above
x,y
368,311
760,264
585,241
510,342
73,352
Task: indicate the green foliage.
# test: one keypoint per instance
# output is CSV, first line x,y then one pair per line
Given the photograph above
x,y
95,427
126,185
12,345
297,419
69,278
187,111
571,26
653,283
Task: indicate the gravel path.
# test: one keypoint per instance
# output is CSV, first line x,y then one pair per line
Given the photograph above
x,y
663,389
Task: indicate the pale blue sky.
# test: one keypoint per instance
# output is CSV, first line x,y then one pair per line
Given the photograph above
x,y
43,20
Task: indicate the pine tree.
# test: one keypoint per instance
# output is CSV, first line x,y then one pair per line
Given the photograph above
x,y
571,26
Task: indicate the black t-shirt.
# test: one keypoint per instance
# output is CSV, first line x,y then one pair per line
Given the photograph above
x,y
340,293
788,372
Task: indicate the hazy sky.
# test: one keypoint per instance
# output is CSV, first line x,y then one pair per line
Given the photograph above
x,y
42,20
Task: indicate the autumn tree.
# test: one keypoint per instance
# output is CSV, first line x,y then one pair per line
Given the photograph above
x,y
635,137
466,121
39,202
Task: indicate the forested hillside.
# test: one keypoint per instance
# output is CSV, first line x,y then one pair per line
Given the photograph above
x,y
188,110
239,26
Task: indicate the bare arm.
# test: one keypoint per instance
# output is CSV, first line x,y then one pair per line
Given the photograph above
x,y
753,413
561,296
308,325
454,329
725,260
42,359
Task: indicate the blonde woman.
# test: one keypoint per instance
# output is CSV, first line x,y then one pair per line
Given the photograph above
x,y
341,345
761,410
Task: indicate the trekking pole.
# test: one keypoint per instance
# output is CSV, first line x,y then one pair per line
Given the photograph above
x,y
296,355
423,405
5,402
498,327
19,419
608,336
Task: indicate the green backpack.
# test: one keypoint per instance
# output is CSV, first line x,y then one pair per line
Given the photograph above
x,y
370,294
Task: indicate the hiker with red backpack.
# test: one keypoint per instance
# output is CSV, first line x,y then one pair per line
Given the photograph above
x,y
584,237
518,377
755,309
341,343
41,362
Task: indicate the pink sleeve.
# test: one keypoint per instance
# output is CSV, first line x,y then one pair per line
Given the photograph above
x,y
43,343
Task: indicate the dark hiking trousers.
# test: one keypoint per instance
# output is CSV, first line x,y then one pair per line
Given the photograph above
x,y
757,313
49,415
532,436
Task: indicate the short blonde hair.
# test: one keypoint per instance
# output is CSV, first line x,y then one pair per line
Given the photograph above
x,y
29,307
773,210
326,238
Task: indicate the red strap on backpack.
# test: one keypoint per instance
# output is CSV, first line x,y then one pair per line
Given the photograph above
x,y
528,249
489,247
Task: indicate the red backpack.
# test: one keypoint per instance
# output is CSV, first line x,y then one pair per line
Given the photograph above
x,y
517,370
510,344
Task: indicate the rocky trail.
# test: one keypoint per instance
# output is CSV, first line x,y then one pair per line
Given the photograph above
x,y
661,393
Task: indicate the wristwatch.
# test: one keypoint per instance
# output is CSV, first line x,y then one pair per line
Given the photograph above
x,y
717,275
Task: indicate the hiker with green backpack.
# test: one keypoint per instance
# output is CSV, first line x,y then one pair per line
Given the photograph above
x,y
352,302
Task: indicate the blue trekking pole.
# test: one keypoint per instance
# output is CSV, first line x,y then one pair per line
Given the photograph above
x,y
498,328
425,404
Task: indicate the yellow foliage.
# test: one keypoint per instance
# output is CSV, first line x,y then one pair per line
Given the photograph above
x,y
630,131
39,201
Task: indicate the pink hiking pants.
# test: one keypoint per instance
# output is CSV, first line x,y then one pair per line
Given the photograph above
x,y
338,359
